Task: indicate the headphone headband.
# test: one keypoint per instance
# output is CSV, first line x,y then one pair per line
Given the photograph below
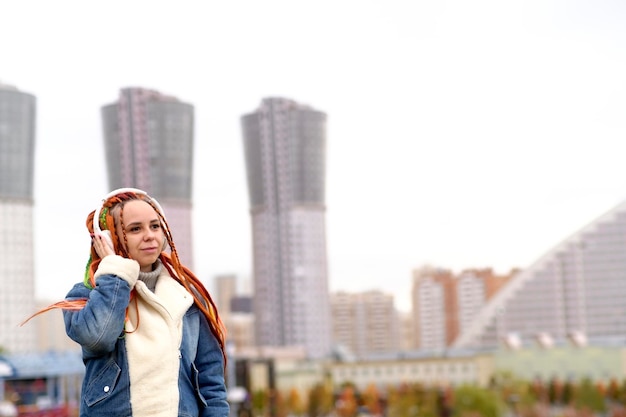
x,y
96,215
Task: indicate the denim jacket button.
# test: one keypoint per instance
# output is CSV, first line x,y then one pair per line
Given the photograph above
x,y
106,388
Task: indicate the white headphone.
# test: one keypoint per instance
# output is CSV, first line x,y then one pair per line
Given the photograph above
x,y
106,234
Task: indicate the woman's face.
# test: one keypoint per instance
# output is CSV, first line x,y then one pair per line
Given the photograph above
x,y
144,235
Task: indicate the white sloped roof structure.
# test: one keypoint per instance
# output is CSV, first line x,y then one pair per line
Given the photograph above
x,y
578,287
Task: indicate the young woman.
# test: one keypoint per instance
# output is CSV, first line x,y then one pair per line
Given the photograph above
x,y
152,340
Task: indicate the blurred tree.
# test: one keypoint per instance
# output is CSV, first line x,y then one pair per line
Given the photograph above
x,y
430,401
538,391
444,403
476,401
295,403
347,403
622,393
371,399
587,396
321,401
555,391
613,390
402,401
278,404
260,402
567,392
518,394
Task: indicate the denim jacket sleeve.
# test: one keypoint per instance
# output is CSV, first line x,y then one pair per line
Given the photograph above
x,y
97,326
210,364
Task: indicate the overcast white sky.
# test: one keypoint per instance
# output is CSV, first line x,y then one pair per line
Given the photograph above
x,y
461,134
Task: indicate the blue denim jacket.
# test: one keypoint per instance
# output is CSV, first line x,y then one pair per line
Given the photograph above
x,y
99,329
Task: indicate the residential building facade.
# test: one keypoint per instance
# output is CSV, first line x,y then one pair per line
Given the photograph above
x,y
432,307
576,288
17,170
285,154
446,304
235,312
366,323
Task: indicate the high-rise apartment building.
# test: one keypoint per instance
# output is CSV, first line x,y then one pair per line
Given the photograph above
x,y
470,290
17,275
445,304
225,292
575,291
366,323
474,288
148,142
285,154
433,307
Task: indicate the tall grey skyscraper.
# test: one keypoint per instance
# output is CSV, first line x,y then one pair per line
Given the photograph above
x,y
148,140
285,152
17,275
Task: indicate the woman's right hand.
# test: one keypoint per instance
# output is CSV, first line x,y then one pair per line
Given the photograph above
x,y
101,246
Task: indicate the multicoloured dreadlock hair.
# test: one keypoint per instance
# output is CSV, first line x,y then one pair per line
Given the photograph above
x,y
109,214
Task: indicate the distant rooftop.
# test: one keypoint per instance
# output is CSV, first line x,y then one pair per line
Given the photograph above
x,y
34,365
4,86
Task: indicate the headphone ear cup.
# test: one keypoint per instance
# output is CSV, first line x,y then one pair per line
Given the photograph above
x,y
107,237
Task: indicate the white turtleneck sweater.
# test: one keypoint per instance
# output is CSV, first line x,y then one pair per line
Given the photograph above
x,y
153,338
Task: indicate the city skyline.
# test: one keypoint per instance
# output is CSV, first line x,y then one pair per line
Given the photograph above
x,y
460,135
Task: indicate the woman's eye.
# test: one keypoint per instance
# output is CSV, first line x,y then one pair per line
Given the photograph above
x,y
134,229
156,226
